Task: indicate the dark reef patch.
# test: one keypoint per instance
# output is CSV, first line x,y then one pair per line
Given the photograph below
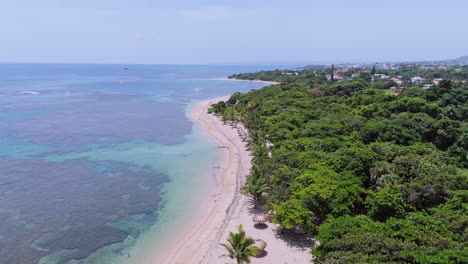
x,y
47,206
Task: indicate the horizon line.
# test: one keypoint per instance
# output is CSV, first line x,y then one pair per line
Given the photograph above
x,y
272,63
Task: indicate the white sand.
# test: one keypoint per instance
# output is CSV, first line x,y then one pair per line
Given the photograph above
x,y
199,240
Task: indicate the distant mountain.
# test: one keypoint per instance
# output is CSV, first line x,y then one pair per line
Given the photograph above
x,y
463,60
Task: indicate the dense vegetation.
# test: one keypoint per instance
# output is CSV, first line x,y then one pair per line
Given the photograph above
x,y
377,178
272,76
405,72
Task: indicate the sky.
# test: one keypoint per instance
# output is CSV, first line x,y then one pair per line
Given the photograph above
x,y
231,32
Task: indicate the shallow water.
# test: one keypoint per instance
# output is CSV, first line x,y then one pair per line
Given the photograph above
x,y
93,158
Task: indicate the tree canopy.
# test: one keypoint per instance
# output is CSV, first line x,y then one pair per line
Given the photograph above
x,y
377,178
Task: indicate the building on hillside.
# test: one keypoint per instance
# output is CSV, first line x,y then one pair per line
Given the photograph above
x,y
381,76
417,80
427,86
337,76
436,81
382,66
397,81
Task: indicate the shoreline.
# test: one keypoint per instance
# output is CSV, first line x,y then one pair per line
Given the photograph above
x,y
256,81
198,240
210,220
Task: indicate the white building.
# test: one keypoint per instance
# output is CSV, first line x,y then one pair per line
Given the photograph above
x,y
397,81
417,80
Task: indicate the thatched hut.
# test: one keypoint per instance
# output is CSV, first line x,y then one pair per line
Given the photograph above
x,y
261,245
260,218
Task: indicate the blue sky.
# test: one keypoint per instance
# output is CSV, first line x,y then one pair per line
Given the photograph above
x,y
231,32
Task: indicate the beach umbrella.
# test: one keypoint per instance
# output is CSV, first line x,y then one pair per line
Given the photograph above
x,y
260,244
260,218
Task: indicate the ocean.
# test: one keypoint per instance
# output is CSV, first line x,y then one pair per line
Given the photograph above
x,y
95,159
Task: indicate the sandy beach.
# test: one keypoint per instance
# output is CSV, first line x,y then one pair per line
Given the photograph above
x,y
198,241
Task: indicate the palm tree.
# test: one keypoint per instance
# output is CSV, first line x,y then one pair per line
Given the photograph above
x,y
260,151
240,247
227,115
255,172
255,185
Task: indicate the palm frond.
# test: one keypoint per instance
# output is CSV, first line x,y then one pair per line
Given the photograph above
x,y
239,246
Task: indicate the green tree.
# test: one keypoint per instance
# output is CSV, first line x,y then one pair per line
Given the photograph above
x,y
332,73
260,151
255,185
324,192
347,87
234,98
217,108
385,203
292,214
239,246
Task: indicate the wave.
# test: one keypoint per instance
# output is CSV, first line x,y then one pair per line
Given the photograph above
x,y
29,92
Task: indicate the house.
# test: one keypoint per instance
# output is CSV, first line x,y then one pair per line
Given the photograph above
x,y
381,76
397,81
335,78
338,76
427,86
417,80
436,81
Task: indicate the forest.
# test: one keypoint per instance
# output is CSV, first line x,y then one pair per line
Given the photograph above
x,y
374,177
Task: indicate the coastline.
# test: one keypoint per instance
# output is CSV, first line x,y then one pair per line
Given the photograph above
x,y
198,241
256,81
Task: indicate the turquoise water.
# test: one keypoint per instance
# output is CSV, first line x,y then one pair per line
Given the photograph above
x,y
96,160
